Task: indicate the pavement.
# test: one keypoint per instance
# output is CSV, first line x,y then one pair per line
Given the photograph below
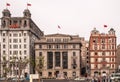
x,y
48,80
57,80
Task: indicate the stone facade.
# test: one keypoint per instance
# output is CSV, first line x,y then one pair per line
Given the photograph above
x,y
62,55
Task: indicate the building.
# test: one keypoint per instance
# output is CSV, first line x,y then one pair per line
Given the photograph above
x,y
17,36
102,49
87,59
118,57
84,56
62,55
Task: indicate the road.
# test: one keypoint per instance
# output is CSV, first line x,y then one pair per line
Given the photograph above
x,y
56,80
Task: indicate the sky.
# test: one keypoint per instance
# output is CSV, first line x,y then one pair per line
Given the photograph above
x,y
75,17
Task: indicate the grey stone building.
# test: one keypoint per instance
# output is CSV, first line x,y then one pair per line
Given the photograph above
x,y
62,55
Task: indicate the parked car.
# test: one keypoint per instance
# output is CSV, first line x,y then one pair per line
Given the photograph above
x,y
2,78
80,78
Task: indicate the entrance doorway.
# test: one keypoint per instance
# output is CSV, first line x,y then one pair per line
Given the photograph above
x,y
56,73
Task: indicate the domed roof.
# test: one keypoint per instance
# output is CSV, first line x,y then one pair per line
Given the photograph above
x,y
112,29
94,31
6,10
27,10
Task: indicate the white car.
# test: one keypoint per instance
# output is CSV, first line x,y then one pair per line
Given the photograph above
x,y
81,79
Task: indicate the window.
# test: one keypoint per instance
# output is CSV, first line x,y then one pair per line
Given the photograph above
x,y
49,40
74,46
20,52
112,65
103,53
112,40
103,40
3,34
65,46
25,57
19,34
57,46
57,59
3,39
15,52
95,46
103,46
4,46
10,40
25,46
24,40
25,34
4,52
57,40
25,23
10,34
113,53
96,60
74,53
15,40
10,46
112,46
15,35
112,59
10,52
49,46
96,66
49,60
40,46
40,53
4,23
65,60
20,40
15,46
96,53
25,52
65,40
20,46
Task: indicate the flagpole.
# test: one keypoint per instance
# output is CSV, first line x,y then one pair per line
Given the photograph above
x,y
6,5
27,6
58,29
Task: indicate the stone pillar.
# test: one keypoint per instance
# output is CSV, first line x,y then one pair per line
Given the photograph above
x,y
53,63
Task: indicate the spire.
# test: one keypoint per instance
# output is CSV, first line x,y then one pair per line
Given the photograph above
x,y
27,13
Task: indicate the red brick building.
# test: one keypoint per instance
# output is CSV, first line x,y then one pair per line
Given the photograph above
x,y
102,48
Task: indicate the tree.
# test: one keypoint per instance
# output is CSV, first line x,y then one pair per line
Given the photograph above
x,y
6,67
21,65
39,65
18,63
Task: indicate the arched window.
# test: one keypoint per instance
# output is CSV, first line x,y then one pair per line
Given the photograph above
x,y
4,23
25,23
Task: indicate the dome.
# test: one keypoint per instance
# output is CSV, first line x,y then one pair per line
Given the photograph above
x,y
27,10
94,31
27,13
6,13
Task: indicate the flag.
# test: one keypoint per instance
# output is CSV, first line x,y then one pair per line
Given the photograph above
x,y
59,27
7,4
28,4
105,26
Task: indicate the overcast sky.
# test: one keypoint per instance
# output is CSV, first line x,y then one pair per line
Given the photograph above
x,y
73,16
